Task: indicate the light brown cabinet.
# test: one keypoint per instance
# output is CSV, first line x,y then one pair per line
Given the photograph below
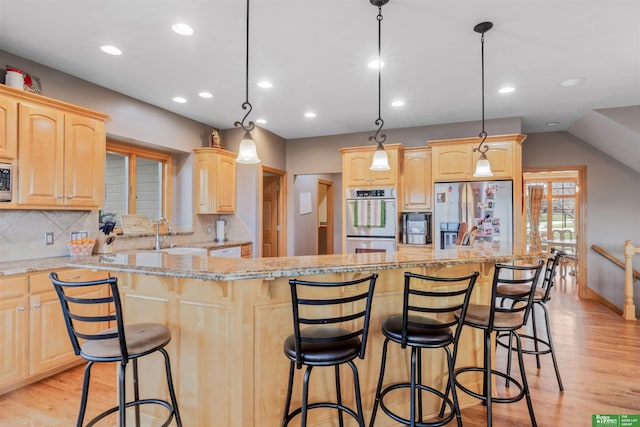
x,y
245,250
8,129
455,160
356,162
14,323
417,183
214,179
60,151
39,342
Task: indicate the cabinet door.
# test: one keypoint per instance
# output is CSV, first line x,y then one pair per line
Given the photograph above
x,y
225,184
355,169
500,157
50,346
84,158
201,179
14,322
452,163
40,156
8,129
417,180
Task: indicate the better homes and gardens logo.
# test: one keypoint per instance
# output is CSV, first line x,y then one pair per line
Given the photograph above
x,y
622,420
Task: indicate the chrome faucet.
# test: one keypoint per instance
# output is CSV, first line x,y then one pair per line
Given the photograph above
x,y
158,222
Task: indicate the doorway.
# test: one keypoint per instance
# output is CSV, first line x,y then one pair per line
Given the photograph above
x,y
555,216
273,235
325,217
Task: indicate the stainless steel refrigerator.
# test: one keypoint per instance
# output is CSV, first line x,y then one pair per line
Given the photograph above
x,y
485,205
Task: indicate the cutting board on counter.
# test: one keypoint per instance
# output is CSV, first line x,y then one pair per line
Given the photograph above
x,y
136,224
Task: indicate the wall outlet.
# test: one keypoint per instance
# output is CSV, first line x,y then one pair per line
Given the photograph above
x,y
48,238
209,230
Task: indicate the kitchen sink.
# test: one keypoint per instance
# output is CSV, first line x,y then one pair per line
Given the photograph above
x,y
179,250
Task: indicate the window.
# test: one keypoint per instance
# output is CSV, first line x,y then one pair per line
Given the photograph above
x,y
137,181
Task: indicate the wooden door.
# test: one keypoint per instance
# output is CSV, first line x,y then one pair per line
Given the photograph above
x,y
325,217
8,129
84,161
270,185
41,156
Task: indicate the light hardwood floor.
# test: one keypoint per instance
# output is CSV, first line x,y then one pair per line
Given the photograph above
x,y
598,352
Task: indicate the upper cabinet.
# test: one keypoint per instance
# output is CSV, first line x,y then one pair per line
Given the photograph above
x,y
214,181
356,162
455,160
60,151
8,129
417,183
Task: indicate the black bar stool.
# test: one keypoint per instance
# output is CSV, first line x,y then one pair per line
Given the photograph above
x,y
426,322
336,320
493,318
122,343
541,296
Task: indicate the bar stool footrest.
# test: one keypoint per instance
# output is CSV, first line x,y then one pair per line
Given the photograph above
x,y
526,338
140,402
494,399
311,406
444,420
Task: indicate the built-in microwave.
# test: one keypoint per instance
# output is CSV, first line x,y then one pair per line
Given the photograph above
x,y
6,174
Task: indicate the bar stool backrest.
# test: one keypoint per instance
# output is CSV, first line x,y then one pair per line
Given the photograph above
x,y
428,295
515,275
81,320
548,280
332,305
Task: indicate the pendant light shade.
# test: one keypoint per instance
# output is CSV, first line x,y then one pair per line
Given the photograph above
x,y
380,159
483,167
247,152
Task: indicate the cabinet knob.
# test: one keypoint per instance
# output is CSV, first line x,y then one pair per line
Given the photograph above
x,y
20,308
36,305
71,196
60,196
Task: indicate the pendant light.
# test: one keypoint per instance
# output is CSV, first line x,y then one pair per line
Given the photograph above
x,y
247,153
380,160
483,167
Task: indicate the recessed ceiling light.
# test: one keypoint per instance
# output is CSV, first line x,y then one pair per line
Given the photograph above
x,y
573,82
182,29
507,89
205,95
375,64
179,99
265,84
397,103
553,123
111,50
261,121
310,115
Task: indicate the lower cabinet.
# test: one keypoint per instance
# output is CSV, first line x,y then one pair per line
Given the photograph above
x,y
37,343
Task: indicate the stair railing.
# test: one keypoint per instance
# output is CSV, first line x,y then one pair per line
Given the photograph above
x,y
629,309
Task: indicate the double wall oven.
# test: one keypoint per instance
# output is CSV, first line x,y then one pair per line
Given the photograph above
x,y
371,217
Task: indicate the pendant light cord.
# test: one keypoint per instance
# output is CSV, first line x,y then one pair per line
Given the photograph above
x,y
482,147
379,137
246,105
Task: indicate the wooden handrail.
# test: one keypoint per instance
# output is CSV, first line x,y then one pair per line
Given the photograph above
x,y
629,308
613,259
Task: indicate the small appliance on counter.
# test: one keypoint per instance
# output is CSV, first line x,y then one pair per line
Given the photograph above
x,y
415,228
5,182
221,234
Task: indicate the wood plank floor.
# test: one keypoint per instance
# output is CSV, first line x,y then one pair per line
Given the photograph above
x,y
598,352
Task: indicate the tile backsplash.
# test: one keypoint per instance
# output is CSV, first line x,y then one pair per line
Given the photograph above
x,y
22,232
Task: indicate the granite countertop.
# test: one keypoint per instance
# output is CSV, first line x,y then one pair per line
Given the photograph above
x,y
47,264
223,269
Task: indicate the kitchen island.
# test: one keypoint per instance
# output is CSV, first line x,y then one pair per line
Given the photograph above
x,y
229,318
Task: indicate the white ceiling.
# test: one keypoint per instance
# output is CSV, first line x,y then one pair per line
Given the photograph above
x,y
316,53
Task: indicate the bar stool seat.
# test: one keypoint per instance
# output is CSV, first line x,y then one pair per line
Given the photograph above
x,y
426,322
